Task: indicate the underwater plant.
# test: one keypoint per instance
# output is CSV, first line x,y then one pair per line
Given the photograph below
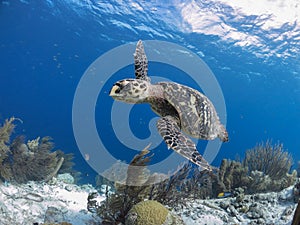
x,y
68,165
265,168
114,208
139,185
272,160
5,133
35,160
231,175
34,164
188,182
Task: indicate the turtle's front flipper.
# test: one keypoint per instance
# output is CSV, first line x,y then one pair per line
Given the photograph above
x,y
140,62
175,139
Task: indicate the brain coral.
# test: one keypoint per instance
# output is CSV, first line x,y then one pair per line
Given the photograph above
x,y
151,213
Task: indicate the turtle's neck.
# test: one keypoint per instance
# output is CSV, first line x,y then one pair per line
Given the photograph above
x,y
155,91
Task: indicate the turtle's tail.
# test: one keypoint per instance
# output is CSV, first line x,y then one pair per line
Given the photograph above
x,y
223,134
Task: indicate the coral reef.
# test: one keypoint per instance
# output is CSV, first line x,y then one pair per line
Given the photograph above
x,y
231,175
265,168
237,179
264,208
139,185
5,133
270,159
116,206
68,164
32,161
147,212
43,203
167,191
38,164
151,213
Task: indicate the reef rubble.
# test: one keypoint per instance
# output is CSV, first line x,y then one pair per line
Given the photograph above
x,y
60,202
37,203
263,208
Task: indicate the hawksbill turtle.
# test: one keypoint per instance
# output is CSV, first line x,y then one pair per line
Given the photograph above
x,y
182,109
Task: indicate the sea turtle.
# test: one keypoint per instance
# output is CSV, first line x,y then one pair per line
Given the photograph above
x,y
180,107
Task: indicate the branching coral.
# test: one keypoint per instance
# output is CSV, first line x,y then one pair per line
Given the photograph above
x,y
6,130
189,182
168,191
116,206
35,160
270,159
67,165
139,185
264,168
231,175
5,133
39,164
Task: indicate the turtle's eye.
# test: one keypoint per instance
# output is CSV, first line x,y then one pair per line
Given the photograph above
x,y
118,87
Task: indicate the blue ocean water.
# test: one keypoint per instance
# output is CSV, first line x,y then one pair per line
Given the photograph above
x,y
46,46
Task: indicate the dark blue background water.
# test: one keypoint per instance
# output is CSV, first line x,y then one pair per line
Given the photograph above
x,y
46,46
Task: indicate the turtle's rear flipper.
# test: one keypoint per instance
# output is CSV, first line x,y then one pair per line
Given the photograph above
x,y
175,139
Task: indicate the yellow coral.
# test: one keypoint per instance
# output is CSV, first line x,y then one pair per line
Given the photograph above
x,y
147,212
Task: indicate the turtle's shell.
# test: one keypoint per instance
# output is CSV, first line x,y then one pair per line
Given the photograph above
x,y
198,116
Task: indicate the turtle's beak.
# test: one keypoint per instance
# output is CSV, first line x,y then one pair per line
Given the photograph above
x,y
114,90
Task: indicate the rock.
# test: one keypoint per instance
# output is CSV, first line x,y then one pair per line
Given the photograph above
x,y
286,194
66,178
69,188
53,215
224,205
195,216
173,219
233,211
288,211
92,204
105,190
260,221
239,194
87,188
39,202
52,181
34,197
244,209
254,213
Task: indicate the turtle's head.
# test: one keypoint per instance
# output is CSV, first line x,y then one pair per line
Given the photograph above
x,y
130,91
